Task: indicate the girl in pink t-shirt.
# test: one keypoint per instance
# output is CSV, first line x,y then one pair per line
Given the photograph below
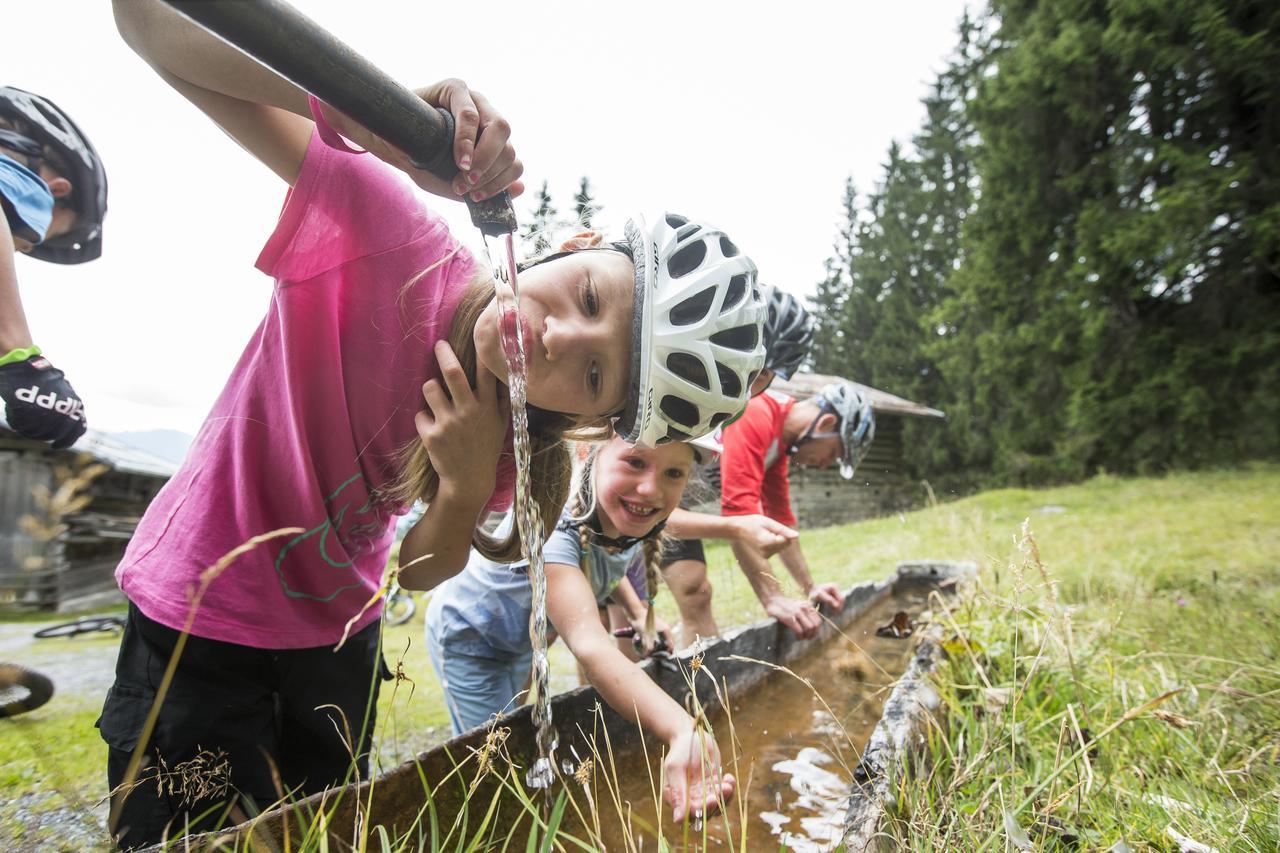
x,y
372,381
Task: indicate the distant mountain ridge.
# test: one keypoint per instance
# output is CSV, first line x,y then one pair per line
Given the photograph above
x,y
169,444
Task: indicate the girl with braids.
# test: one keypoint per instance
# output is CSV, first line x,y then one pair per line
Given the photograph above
x,y
477,622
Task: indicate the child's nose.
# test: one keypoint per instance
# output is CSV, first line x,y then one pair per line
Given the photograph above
x,y
648,485
566,338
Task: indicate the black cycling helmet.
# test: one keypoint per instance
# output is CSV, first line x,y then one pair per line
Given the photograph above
x,y
788,332
51,127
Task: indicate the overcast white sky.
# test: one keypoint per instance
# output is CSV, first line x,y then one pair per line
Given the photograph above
x,y
749,115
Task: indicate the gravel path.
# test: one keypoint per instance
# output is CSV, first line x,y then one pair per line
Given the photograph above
x,y
82,668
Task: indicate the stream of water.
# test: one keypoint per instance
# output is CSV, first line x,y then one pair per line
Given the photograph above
x,y
529,520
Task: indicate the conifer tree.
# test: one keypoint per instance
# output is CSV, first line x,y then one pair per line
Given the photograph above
x,y
585,206
541,226
1118,303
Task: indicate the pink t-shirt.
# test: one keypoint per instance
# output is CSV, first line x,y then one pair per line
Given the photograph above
x,y
309,424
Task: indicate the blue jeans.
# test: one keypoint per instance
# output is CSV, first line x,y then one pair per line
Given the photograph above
x,y
476,687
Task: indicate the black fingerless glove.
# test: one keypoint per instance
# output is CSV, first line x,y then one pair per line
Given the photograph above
x,y
40,404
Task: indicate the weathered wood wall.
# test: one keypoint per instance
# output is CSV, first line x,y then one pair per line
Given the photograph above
x,y
77,568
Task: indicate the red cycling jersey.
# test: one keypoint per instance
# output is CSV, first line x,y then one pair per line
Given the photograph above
x,y
754,465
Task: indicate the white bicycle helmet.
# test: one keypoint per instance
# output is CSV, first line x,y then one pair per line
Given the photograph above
x,y
857,423
696,342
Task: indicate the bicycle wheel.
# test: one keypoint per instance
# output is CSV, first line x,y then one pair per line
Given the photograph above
x,y
86,625
22,689
399,608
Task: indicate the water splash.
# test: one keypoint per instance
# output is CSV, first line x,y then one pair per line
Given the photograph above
x,y
528,517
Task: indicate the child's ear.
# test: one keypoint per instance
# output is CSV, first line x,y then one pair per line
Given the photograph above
x,y
582,240
827,422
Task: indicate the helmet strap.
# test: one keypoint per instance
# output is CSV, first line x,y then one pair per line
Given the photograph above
x,y
612,543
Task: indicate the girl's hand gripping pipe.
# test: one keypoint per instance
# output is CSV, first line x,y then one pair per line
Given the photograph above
x,y
482,149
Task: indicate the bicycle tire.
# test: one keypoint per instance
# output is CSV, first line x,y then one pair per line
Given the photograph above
x,y
86,625
34,689
399,609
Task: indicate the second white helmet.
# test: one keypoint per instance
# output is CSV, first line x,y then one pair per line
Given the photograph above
x,y
696,342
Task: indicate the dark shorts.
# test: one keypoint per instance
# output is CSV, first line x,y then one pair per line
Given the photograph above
x,y
682,549
233,714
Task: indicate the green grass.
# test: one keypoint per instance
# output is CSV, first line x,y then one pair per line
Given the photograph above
x,y
1166,583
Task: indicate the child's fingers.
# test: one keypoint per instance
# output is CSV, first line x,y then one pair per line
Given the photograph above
x,y
492,138
437,401
678,794
459,100
503,180
455,378
424,422
728,786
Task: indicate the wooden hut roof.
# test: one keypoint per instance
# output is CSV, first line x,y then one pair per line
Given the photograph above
x,y
804,385
103,447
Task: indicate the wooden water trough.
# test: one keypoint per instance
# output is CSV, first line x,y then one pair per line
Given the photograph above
x,y
397,800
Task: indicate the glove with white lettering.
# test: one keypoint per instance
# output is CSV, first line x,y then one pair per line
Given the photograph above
x,y
40,404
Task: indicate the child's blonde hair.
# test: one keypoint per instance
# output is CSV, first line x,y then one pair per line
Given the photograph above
x,y
550,468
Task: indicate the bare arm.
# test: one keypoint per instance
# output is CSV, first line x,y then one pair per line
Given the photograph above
x,y
270,117
437,547
266,114
14,332
693,774
793,558
796,614
637,612
821,593
625,596
763,532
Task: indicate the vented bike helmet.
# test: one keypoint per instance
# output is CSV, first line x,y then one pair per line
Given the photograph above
x,y
788,332
857,423
696,342
51,127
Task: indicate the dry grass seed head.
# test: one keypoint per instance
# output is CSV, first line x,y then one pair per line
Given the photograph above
x,y
494,745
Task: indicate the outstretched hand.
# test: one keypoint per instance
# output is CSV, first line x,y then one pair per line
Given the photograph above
x,y
695,784
797,614
463,430
482,150
828,594
764,534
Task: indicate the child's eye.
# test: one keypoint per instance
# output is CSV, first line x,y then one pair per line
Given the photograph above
x,y
589,299
593,379
635,462
676,474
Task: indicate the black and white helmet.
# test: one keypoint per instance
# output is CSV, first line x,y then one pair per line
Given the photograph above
x,y
696,342
53,128
788,332
857,423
